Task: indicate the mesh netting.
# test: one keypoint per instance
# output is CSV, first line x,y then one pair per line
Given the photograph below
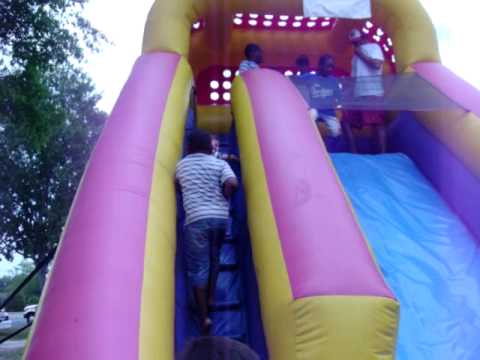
x,y
405,92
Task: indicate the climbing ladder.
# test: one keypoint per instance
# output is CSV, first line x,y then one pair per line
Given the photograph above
x,y
228,313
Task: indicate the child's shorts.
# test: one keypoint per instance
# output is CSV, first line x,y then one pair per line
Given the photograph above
x,y
199,239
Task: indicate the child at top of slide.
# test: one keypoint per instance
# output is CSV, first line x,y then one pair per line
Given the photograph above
x,y
303,65
253,58
328,88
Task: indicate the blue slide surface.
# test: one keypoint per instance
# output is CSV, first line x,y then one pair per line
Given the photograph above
x,y
428,257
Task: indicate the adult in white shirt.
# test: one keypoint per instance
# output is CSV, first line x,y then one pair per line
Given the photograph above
x,y
367,69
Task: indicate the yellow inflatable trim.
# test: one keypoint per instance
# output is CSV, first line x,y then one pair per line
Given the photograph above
x,y
158,294
273,281
214,119
345,328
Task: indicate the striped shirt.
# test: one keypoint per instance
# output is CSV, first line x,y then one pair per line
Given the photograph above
x,y
201,178
247,65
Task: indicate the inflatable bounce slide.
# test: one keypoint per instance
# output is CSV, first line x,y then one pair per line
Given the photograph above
x,y
330,256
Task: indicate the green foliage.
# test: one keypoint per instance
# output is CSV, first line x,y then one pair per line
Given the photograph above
x,y
37,39
42,33
28,106
39,185
48,119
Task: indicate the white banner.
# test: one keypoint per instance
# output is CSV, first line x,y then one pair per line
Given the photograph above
x,y
346,9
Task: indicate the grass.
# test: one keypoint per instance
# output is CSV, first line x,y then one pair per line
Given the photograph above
x,y
11,354
7,353
22,336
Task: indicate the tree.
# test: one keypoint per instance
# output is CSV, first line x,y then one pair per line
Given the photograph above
x,y
39,185
37,38
47,32
48,119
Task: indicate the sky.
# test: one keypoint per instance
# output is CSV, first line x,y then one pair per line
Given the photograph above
x,y
123,25
456,29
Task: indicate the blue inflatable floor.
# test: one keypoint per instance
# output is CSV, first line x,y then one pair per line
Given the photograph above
x,y
427,256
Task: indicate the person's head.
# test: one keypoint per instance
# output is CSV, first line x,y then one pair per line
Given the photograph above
x,y
254,53
199,142
326,65
218,348
356,37
303,64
